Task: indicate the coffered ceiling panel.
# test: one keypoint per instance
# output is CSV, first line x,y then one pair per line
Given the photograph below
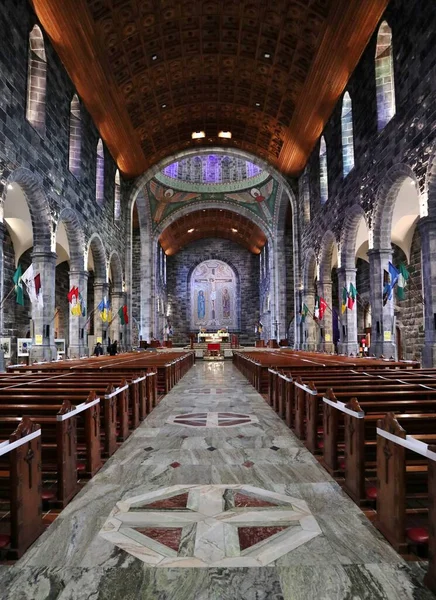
x,y
210,223
153,71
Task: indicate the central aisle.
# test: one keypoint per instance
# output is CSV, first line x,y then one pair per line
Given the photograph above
x,y
231,507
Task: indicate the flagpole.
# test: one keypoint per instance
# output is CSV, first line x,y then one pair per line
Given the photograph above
x,y
7,296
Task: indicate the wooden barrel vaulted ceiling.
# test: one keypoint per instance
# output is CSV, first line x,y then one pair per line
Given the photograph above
x,y
212,223
151,72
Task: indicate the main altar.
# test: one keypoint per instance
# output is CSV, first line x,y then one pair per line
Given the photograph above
x,y
216,337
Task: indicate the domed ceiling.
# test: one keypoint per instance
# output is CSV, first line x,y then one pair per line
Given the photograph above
x,y
152,72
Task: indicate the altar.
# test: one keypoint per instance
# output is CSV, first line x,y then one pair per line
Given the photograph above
x,y
220,336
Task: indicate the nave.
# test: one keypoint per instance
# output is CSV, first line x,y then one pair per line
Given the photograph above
x,y
227,504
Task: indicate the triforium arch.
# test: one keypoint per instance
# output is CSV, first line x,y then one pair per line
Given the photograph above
x,y
38,204
96,247
116,270
76,238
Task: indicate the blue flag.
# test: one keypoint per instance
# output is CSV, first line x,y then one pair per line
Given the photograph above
x,y
390,280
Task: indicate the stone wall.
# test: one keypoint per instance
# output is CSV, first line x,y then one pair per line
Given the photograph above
x,y
179,268
405,145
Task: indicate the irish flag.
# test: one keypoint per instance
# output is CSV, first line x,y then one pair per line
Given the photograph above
x,y
344,299
402,281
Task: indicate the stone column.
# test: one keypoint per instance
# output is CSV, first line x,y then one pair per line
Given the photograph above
x,y
310,328
78,339
2,295
427,229
44,263
146,290
382,317
115,329
348,343
101,290
326,323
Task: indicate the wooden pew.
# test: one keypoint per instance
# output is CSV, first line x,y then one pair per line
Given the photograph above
x,y
20,485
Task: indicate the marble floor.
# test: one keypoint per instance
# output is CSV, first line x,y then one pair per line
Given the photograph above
x,y
223,504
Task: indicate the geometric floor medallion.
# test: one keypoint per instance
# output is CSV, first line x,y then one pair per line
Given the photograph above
x,y
212,419
188,526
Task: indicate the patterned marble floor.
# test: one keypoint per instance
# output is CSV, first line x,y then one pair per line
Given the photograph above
x,y
225,505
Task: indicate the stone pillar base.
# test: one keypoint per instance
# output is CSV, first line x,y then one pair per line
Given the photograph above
x,y
77,351
387,349
44,352
429,355
327,347
348,348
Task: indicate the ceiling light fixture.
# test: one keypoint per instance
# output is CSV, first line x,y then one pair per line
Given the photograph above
x,y
10,186
234,230
257,104
164,105
191,230
197,135
267,55
225,134
154,57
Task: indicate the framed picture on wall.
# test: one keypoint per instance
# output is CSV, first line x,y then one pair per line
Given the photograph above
x,y
60,345
23,346
5,344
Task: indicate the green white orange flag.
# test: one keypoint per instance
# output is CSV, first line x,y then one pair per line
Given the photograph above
x,y
344,299
402,281
352,295
18,286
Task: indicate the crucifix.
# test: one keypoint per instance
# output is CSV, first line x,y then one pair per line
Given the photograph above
x,y
212,281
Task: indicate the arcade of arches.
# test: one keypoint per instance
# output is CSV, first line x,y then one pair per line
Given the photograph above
x,y
219,165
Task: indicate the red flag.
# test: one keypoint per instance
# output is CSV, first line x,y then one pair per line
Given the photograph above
x,y
322,307
126,316
37,281
73,293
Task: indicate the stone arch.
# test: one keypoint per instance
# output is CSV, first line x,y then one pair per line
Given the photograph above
x,y
116,269
95,245
385,202
38,204
76,238
328,244
349,235
309,270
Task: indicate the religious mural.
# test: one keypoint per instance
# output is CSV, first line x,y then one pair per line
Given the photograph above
x,y
211,178
213,296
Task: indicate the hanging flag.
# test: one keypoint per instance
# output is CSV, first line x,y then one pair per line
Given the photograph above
x,y
38,290
344,299
390,280
386,286
121,315
316,308
18,286
322,307
352,295
402,281
304,312
73,294
104,308
126,316
394,273
28,278
82,305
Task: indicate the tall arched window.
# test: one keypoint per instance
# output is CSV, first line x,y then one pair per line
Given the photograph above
x,y
36,80
99,174
117,197
384,76
323,173
305,196
347,135
75,137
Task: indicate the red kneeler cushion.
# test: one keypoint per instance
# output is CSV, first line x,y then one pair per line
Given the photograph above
x,y
417,535
4,540
48,495
371,493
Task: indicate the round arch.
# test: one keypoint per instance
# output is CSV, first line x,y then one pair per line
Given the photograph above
x,y
95,245
38,204
116,270
328,246
349,231
385,202
76,238
309,270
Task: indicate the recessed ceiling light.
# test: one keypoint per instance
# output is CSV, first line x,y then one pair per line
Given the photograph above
x,y
257,103
225,134
204,210
154,57
191,230
234,230
267,55
164,105
197,135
